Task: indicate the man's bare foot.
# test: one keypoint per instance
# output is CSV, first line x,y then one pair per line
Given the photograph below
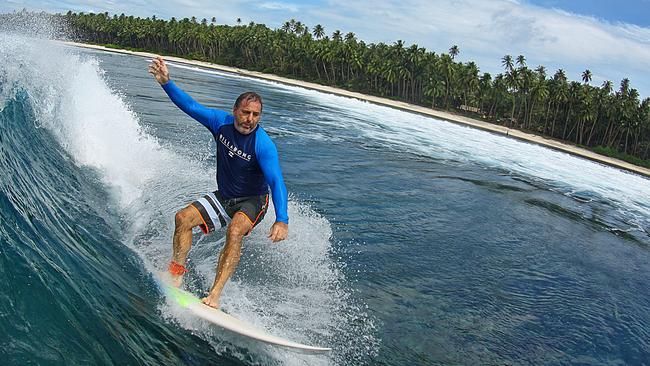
x,y
176,281
170,279
212,301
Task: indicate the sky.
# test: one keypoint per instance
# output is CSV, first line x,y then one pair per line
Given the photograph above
x,y
610,38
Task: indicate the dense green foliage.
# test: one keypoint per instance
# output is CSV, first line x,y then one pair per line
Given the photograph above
x,y
520,97
621,156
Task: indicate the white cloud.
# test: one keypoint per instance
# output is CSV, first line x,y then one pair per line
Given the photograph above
x,y
485,31
279,6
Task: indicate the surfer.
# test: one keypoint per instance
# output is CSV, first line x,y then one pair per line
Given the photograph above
x,y
248,164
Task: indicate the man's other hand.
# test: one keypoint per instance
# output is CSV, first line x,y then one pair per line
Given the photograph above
x,y
279,231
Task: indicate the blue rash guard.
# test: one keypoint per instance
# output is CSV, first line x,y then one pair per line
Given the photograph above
x,y
246,164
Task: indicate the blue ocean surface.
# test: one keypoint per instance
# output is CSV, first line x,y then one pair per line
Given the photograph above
x,y
413,241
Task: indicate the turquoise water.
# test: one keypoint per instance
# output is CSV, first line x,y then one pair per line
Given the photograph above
x,y
412,240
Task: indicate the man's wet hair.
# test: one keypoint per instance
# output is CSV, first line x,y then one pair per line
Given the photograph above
x,y
248,97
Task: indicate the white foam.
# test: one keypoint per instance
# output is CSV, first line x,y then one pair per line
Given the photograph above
x,y
92,122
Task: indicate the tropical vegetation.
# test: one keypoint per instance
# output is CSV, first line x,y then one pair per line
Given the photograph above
x,y
608,118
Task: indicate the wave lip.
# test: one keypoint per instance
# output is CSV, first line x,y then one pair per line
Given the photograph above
x,y
72,292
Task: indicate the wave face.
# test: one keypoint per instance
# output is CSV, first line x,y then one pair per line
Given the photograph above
x,y
87,199
72,291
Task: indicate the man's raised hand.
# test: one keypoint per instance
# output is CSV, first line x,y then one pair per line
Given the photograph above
x,y
158,69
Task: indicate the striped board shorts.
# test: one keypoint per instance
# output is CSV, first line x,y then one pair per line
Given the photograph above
x,y
217,212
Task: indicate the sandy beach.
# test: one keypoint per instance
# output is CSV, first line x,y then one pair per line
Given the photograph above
x,y
574,150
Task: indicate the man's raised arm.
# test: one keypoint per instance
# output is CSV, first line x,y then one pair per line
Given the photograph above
x,y
210,118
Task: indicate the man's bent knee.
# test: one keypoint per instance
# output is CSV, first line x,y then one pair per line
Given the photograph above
x,y
239,226
236,231
187,218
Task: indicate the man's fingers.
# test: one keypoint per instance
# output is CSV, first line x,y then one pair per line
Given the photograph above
x,y
160,62
153,69
273,235
276,234
158,69
157,63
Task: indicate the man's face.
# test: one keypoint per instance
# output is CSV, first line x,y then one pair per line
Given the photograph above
x,y
247,116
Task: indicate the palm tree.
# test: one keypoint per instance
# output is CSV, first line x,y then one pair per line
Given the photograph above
x,y
446,67
434,89
586,76
607,86
606,90
630,123
521,61
602,104
539,92
512,82
484,87
644,130
318,31
526,79
415,57
574,98
585,115
621,115
506,62
298,27
499,93
454,51
470,80
560,94
625,87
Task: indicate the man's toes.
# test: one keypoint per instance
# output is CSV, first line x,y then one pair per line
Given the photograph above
x,y
211,304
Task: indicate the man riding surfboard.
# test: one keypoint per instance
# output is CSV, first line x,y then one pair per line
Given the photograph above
x,y
247,166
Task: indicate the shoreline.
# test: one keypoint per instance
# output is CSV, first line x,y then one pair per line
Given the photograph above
x,y
446,116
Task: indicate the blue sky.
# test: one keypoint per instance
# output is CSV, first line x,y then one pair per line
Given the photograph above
x,y
610,38
633,11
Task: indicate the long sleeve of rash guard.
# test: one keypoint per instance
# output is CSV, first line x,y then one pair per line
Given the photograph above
x,y
267,157
210,118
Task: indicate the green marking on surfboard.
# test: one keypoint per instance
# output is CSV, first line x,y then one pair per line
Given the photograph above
x,y
183,298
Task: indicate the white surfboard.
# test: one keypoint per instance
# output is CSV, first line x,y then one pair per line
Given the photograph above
x,y
192,303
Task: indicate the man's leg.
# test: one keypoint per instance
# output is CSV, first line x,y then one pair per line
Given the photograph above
x,y
229,257
186,219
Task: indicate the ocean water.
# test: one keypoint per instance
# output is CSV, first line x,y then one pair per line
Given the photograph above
x,y
412,240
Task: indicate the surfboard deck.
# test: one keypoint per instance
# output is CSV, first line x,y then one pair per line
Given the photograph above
x,y
192,303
